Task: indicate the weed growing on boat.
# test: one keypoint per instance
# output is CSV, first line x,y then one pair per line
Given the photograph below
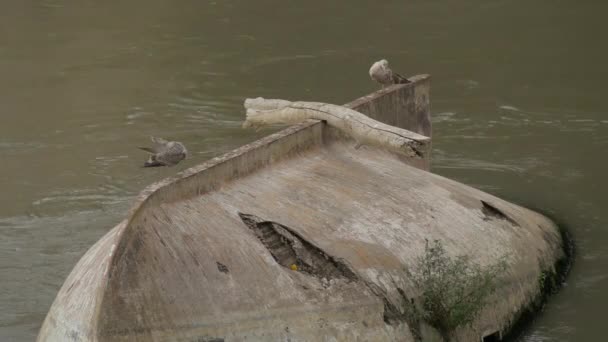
x,y
454,289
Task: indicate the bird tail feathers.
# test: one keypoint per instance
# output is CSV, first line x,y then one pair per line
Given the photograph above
x,y
147,149
152,163
398,79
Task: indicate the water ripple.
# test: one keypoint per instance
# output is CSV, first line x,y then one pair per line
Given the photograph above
x,y
74,200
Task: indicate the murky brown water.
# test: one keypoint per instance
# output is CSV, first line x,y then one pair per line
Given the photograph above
x,y
519,103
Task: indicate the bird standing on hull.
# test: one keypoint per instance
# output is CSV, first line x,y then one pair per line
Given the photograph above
x,y
381,73
165,153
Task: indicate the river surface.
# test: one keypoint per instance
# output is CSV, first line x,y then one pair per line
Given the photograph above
x,y
519,101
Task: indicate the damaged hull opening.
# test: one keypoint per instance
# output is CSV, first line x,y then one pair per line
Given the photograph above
x,y
491,212
292,251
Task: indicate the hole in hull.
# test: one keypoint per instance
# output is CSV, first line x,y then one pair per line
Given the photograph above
x,y
221,267
491,212
292,251
493,337
288,248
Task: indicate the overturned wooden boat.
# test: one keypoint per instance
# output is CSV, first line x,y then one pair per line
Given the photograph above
x,y
300,236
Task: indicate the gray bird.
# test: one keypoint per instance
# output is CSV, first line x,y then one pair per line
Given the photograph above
x,y
164,153
381,73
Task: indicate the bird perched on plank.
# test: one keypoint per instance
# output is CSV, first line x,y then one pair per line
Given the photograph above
x,y
164,153
381,73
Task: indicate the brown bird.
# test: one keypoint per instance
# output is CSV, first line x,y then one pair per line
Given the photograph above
x,y
164,153
381,73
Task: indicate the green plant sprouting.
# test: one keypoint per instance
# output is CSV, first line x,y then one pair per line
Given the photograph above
x,y
454,289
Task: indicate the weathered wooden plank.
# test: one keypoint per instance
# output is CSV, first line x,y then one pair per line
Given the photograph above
x,y
349,122
405,106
